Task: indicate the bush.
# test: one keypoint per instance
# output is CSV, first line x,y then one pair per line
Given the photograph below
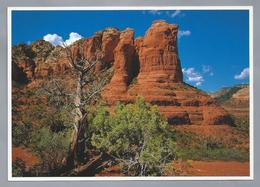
x,y
136,136
193,147
21,134
242,123
50,146
18,168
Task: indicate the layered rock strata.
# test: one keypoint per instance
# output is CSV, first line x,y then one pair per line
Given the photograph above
x,y
147,66
160,81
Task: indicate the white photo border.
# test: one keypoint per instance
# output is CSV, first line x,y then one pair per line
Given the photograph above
x,y
183,178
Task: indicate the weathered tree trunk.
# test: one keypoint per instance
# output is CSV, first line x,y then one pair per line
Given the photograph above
x,y
77,145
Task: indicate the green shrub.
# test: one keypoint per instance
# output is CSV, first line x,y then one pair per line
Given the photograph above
x,y
136,136
50,146
228,94
241,123
21,134
193,147
18,168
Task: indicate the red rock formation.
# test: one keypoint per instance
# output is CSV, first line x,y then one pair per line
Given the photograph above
x,y
22,56
148,67
158,54
55,64
124,67
110,39
99,47
138,43
160,80
18,75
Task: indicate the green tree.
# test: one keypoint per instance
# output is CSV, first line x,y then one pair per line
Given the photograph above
x,y
136,136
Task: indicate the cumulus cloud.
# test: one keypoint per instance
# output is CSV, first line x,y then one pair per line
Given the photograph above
x,y
182,33
56,40
193,76
73,38
243,74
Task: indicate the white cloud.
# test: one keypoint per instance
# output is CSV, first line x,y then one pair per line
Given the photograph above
x,y
73,38
171,14
193,76
207,69
55,39
175,13
155,12
243,75
184,33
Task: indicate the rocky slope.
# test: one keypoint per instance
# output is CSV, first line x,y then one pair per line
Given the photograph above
x,y
234,99
147,66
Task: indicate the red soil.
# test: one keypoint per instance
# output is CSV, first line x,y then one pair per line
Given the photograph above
x,y
112,171
196,168
215,168
23,154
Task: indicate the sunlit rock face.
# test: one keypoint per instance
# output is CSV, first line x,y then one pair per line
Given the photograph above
x,y
146,66
160,80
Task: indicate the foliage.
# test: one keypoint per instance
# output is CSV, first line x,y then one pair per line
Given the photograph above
x,y
18,168
228,93
193,147
242,123
21,134
136,136
50,146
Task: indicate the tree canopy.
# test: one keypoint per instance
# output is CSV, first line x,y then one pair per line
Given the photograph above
x,y
136,136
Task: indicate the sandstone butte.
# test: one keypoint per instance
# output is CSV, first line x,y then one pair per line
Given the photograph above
x,y
147,66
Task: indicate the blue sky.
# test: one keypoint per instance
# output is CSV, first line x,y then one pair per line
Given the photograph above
x,y
213,44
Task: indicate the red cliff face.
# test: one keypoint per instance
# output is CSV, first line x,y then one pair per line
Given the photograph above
x,y
100,46
147,66
125,67
160,79
158,54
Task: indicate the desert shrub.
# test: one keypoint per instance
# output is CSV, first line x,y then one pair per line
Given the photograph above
x,y
193,147
136,136
50,146
228,94
18,168
241,123
21,134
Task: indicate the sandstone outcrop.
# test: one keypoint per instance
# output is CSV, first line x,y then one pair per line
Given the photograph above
x,y
147,66
234,99
125,66
99,48
160,81
158,54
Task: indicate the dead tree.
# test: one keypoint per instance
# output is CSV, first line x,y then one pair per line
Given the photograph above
x,y
87,87
88,84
